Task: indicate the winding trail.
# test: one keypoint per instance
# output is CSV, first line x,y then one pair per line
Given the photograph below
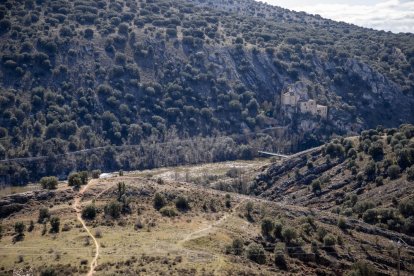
x,y
196,234
78,208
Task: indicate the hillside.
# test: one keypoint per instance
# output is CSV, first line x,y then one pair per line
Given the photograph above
x,y
369,178
201,75
170,222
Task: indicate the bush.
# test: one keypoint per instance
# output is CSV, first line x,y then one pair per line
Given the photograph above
x,y
280,261
342,224
48,272
407,208
168,212
363,269
74,180
182,204
256,253
113,209
329,240
54,225
277,232
237,247
289,234
394,171
159,201
88,33
49,183
267,228
370,216
410,173
89,212
96,174
316,186
370,171
19,228
334,150
43,215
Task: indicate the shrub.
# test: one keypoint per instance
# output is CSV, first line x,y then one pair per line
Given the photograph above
x,y
54,225
329,240
407,208
159,201
280,261
370,171
316,186
182,204
334,150
277,232
410,173
5,26
84,177
43,215
49,271
394,171
289,234
370,216
168,212
113,209
363,269
342,224
19,228
376,150
237,246
88,33
31,226
256,253
89,212
233,172
96,174
267,228
74,180
49,183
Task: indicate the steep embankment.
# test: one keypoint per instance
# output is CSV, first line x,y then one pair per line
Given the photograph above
x,y
369,177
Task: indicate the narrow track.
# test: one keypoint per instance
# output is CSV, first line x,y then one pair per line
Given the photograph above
x,y
78,208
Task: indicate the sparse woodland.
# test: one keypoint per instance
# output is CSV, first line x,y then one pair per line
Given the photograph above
x,y
82,74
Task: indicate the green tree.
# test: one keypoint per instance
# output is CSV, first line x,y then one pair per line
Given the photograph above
x,y
394,171
49,182
75,180
256,253
84,176
89,212
182,204
289,234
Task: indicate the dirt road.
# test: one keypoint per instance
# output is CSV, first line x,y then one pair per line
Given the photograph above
x,y
78,208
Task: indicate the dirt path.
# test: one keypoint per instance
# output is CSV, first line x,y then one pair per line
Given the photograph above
x,y
199,233
78,208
